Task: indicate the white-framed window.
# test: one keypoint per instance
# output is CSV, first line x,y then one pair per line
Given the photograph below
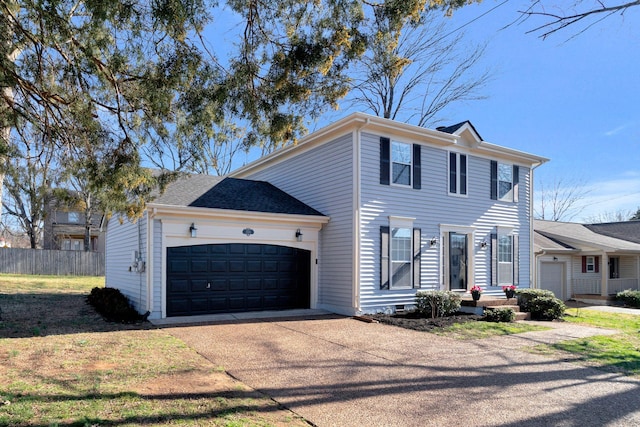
x,y
505,259
401,257
505,182
457,173
401,163
591,264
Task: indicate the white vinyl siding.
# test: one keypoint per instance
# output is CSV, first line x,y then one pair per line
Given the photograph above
x,y
432,207
323,178
123,240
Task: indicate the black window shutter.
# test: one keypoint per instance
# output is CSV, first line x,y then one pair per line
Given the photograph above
x,y
385,160
384,257
516,260
417,167
452,173
463,174
494,180
516,181
584,264
596,260
494,259
417,245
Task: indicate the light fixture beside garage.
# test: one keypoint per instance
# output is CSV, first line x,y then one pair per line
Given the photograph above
x,y
193,230
299,235
247,232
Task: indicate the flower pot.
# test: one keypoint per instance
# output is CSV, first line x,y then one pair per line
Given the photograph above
x,y
510,293
475,296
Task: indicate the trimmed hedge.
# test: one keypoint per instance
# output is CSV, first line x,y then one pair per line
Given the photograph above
x,y
526,295
629,297
437,303
113,305
546,308
504,314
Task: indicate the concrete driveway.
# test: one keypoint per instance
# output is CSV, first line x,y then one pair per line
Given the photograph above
x,y
336,371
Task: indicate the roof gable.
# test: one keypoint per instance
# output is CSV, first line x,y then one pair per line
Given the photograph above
x,y
468,134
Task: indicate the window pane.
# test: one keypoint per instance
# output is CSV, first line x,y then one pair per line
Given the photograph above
x,y
400,152
401,274
401,244
505,172
504,249
401,174
504,189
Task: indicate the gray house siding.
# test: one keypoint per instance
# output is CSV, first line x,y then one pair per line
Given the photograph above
x,y
323,178
156,304
432,206
123,240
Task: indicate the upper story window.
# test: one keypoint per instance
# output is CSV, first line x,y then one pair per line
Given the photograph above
x,y
74,217
400,163
458,173
504,181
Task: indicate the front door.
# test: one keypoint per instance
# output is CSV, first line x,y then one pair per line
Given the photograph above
x,y
457,261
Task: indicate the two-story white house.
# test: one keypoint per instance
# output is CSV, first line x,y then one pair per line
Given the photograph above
x,y
392,208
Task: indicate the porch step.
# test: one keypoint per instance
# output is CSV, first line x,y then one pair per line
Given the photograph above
x,y
519,315
489,302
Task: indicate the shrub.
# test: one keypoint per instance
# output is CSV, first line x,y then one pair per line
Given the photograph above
x,y
437,303
629,297
504,314
546,308
113,305
526,295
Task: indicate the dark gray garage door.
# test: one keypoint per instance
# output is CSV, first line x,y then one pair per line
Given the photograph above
x,y
225,278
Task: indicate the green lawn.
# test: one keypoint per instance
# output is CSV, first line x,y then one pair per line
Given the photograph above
x,y
613,353
62,365
480,330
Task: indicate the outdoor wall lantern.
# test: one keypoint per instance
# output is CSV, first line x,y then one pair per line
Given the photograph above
x,y
483,244
433,242
299,235
193,230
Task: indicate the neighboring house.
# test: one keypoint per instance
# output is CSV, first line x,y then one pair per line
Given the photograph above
x,y
388,208
587,262
64,228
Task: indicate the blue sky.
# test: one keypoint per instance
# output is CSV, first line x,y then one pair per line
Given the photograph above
x,y
572,99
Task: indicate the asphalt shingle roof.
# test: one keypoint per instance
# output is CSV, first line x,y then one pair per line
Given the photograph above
x,y
628,230
578,235
215,192
453,128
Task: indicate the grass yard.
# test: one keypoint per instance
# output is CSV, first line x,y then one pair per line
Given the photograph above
x,y
614,353
481,330
63,365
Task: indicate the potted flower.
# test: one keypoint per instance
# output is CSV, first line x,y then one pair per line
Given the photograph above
x,y
509,291
475,292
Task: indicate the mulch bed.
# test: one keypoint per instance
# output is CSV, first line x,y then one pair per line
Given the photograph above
x,y
413,320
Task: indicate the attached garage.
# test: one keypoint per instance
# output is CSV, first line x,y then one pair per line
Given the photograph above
x,y
227,278
213,245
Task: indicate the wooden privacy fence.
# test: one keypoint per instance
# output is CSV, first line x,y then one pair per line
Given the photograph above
x,y
51,262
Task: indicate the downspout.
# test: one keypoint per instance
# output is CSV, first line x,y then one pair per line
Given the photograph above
x,y
355,298
532,267
149,268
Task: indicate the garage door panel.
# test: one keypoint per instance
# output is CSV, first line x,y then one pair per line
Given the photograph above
x,y
199,266
178,285
254,266
218,266
235,277
236,266
236,284
254,284
178,266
